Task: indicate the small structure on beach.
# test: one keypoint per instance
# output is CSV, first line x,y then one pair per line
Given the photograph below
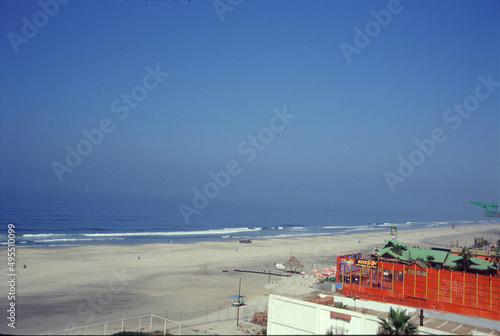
x,y
238,300
293,264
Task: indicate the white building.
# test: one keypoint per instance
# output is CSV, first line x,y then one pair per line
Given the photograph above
x,y
287,316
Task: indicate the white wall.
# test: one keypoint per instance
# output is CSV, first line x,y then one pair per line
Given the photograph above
x,y
290,316
428,313
375,305
287,316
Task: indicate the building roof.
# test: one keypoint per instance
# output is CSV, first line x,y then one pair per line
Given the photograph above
x,y
476,263
440,257
411,252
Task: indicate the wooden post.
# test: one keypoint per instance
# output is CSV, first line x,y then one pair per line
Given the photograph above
x,y
415,281
426,281
123,320
392,279
491,293
239,292
451,286
404,271
477,290
463,290
151,325
439,281
359,283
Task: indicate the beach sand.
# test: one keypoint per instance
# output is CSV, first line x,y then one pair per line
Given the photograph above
x,y
77,286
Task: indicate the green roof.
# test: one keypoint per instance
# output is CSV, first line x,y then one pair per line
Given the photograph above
x,y
414,252
476,263
440,257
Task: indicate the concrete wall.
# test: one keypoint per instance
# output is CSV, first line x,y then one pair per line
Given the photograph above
x,y
375,305
326,286
382,306
287,316
290,316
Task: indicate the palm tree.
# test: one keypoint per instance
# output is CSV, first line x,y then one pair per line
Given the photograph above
x,y
398,249
466,255
340,305
397,324
496,260
483,243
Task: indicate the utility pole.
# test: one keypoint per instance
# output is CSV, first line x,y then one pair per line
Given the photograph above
x,y
239,297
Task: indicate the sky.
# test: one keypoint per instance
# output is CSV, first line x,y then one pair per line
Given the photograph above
x,y
381,104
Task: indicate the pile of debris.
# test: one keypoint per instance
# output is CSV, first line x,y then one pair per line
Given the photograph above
x,y
260,318
327,300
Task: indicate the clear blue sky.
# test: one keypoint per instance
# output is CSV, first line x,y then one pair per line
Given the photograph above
x,y
353,119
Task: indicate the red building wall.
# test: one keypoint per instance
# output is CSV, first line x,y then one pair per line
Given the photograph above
x,y
452,291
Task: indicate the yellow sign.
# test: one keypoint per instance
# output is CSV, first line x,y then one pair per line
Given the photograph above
x,y
367,263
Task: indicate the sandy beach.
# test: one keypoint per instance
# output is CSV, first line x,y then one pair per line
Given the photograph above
x,y
76,286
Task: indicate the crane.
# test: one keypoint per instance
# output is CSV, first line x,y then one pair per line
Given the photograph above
x,y
490,209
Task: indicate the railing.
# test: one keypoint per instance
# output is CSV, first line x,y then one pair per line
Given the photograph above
x,y
109,327
173,325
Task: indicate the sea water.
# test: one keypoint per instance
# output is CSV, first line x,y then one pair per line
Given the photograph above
x,y
69,218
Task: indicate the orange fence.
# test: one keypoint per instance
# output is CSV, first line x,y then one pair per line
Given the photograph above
x,y
457,292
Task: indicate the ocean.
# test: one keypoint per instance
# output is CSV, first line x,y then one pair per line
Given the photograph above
x,y
71,218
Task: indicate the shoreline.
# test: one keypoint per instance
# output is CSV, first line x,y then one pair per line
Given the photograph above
x,y
375,230
84,285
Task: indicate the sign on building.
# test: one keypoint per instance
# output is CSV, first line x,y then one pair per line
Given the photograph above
x,y
367,263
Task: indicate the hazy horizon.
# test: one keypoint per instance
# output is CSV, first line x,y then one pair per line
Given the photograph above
x,y
380,104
